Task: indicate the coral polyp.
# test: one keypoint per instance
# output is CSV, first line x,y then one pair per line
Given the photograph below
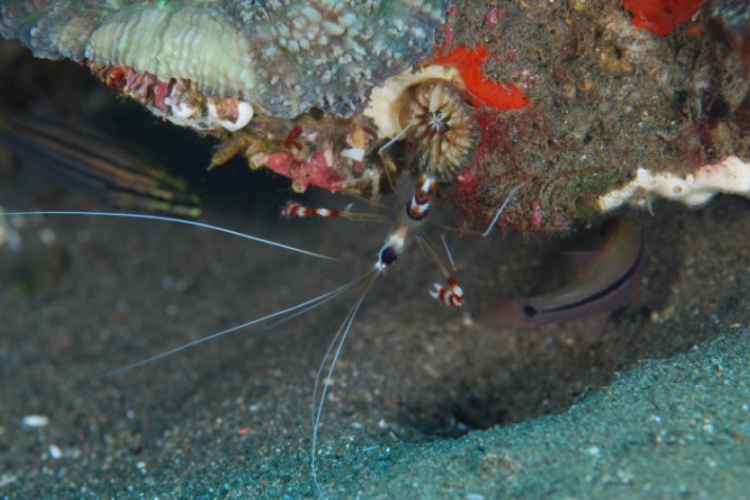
x,y
441,127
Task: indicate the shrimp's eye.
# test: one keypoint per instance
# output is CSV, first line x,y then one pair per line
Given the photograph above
x,y
388,256
530,310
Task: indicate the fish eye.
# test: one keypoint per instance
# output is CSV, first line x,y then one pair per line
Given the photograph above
x,y
529,310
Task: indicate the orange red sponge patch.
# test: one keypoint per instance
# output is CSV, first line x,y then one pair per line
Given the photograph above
x,y
486,92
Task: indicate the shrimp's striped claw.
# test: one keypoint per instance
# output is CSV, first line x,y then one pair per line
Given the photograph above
x,y
294,209
451,296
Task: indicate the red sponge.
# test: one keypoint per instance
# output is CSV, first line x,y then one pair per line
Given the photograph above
x,y
468,62
660,17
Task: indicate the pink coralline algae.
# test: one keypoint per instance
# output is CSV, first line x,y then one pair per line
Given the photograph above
x,y
315,171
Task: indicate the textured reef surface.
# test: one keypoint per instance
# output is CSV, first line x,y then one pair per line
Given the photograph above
x,y
283,56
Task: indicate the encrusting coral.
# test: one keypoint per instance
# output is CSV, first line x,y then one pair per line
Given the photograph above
x,y
284,57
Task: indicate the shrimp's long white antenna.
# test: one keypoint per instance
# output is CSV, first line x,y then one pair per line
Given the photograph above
x,y
318,403
502,209
447,251
304,306
192,223
396,138
312,306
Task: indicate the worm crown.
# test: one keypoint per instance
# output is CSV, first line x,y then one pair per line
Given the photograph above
x,y
441,127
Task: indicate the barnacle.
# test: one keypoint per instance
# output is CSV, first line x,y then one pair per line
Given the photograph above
x,y
441,127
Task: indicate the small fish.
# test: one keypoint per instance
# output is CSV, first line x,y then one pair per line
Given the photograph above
x,y
97,164
606,285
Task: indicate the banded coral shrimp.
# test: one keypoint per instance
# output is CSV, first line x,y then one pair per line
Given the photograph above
x,y
69,291
387,254
98,337
408,223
